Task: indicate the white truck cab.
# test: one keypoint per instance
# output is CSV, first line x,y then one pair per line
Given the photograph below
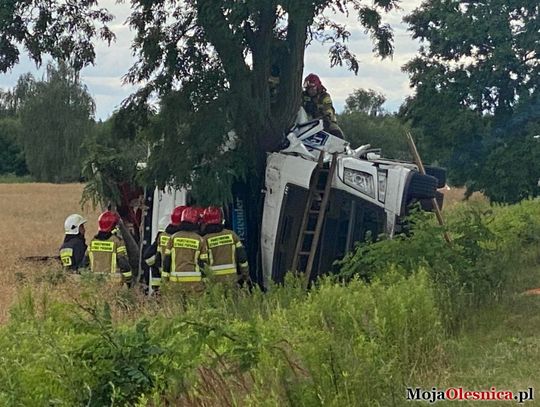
x,y
368,196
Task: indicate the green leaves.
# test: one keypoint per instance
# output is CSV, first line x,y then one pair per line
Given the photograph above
x,y
65,31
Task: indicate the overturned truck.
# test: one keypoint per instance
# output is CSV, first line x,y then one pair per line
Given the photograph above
x,y
321,197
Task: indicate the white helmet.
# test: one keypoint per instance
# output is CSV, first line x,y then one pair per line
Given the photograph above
x,y
163,223
72,224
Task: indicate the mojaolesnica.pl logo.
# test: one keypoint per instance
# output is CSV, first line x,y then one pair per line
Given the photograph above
x,y
460,394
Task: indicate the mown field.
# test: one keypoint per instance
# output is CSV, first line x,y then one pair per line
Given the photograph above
x,y
431,315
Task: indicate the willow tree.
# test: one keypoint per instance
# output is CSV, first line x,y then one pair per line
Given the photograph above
x,y
56,115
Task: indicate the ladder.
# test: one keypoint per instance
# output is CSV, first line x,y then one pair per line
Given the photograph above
x,y
313,219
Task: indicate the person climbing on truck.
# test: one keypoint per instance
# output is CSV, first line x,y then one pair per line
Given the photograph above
x,y
318,104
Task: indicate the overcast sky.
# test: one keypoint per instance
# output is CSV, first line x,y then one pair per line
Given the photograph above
x,y
104,79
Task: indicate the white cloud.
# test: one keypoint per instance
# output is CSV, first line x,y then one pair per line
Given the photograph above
x,y
104,79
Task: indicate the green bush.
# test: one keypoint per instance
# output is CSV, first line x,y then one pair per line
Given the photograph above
x,y
487,242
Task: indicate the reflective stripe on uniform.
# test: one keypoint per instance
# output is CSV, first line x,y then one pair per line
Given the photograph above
x,y
151,260
66,257
223,269
121,250
185,276
220,241
156,281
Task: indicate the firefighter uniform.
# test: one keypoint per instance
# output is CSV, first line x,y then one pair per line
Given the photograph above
x,y
73,249
108,255
318,104
185,256
72,252
227,258
153,258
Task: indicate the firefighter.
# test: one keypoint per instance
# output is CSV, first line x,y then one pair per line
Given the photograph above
x,y
107,251
73,249
318,104
227,257
155,254
185,254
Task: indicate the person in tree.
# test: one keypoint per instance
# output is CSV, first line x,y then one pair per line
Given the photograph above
x,y
318,104
73,249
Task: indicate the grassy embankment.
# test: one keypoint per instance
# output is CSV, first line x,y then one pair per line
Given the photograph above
x,y
442,317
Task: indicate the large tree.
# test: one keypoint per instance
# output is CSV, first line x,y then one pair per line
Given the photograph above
x,y
212,64
367,101
477,80
56,116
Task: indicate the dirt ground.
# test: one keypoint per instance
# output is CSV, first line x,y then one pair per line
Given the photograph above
x,y
32,225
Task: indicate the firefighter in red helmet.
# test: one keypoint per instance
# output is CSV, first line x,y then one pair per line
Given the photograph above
x,y
318,104
185,254
227,257
107,251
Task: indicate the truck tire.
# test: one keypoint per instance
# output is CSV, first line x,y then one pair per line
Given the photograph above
x,y
437,172
422,186
427,204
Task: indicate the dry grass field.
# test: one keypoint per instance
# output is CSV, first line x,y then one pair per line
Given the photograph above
x,y
453,196
32,225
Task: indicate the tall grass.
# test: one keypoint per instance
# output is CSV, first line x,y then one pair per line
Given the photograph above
x,y
392,318
336,345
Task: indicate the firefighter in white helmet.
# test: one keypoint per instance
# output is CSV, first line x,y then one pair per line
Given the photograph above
x,y
73,249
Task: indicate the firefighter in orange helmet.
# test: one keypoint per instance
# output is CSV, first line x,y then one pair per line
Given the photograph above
x,y
227,258
185,254
107,251
318,104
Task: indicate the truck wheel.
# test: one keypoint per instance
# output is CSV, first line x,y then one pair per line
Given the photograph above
x,y
437,172
427,204
422,186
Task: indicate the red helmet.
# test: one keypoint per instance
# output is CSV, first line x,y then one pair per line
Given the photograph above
x,y
107,221
191,215
313,80
176,216
212,216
